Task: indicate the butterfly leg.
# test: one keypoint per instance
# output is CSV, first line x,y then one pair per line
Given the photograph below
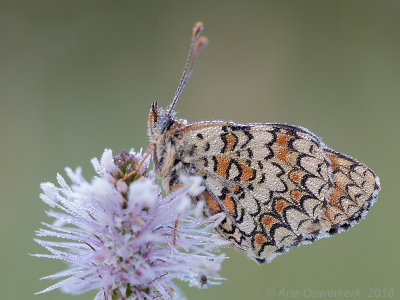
x,y
149,149
175,231
173,187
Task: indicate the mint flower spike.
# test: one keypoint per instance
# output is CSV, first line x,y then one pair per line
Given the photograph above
x,y
117,237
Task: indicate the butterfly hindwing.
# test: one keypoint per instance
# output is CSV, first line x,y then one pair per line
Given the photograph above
x,y
354,192
275,183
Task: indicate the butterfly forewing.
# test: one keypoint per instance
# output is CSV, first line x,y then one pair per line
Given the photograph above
x,y
277,184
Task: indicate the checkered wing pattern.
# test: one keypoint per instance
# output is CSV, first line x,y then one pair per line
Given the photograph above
x,y
278,185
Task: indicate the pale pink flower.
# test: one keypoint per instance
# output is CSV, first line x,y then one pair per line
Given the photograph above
x,y
117,237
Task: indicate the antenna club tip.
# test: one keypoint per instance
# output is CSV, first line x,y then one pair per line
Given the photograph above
x,y
201,43
203,40
198,27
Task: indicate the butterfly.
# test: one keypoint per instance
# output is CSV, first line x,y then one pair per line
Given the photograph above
x,y
277,185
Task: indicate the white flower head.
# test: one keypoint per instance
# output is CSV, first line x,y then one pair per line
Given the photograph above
x,y
119,237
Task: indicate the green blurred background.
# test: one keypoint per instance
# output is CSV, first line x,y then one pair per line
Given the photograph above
x,y
79,76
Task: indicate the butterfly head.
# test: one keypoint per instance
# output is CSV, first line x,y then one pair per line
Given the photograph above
x,y
159,121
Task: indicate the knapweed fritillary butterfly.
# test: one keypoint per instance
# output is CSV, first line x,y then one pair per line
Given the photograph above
x,y
278,185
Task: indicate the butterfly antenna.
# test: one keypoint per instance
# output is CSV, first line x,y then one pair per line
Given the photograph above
x,y
197,44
